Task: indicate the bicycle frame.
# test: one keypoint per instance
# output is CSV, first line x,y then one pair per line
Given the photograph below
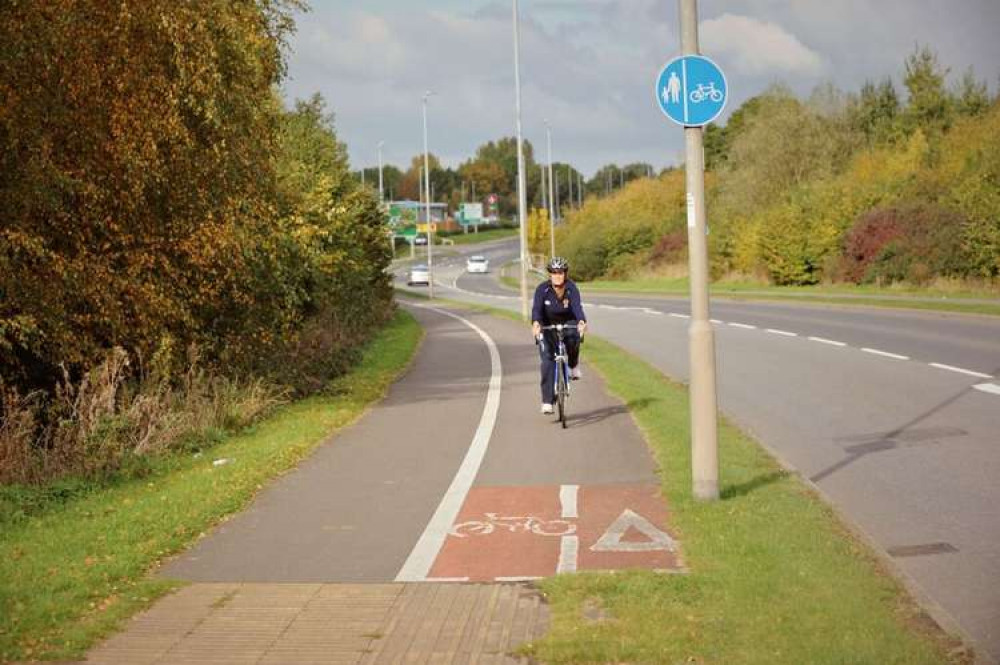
x,y
561,378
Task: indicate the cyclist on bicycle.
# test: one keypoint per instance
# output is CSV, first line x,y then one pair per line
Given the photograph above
x,y
557,300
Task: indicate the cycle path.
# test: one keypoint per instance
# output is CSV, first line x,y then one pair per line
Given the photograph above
x,y
409,535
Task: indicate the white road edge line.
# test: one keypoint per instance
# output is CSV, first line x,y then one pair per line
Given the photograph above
x,y
823,340
745,326
569,548
784,333
679,316
419,563
988,388
885,354
567,497
952,368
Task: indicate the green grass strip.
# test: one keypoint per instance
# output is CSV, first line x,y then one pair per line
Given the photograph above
x,y
845,294
483,236
70,576
774,577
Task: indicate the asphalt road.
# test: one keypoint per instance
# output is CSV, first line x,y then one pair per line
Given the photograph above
x,y
455,476
894,415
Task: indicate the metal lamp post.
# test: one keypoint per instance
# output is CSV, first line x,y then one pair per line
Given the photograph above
x,y
552,191
521,186
427,208
381,189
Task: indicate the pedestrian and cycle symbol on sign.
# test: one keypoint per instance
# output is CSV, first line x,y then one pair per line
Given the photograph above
x,y
691,90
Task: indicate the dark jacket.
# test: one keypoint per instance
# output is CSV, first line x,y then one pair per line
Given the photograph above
x,y
547,309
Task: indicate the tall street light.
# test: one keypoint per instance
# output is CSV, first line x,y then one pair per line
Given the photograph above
x,y
381,190
427,208
552,191
521,186
704,401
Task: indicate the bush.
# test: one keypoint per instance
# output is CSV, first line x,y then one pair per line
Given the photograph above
x,y
604,234
910,242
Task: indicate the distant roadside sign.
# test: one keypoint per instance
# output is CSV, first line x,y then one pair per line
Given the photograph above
x,y
691,90
470,214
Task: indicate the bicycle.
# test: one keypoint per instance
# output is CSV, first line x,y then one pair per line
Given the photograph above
x,y
527,524
562,368
703,91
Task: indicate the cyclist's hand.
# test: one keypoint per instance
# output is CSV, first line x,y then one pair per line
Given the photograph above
x,y
582,327
536,329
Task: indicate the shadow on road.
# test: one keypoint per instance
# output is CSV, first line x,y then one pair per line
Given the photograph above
x,y
901,437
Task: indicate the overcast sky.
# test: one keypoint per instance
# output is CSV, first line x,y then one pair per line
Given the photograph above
x,y
589,66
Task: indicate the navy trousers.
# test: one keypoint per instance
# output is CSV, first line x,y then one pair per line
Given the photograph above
x,y
547,352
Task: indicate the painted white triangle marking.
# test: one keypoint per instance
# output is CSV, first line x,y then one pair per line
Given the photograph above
x,y
611,541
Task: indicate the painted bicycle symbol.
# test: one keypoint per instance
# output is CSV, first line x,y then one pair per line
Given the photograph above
x,y
705,91
531,524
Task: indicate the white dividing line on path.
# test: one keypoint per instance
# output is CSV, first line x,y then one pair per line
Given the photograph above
x,y
988,388
823,340
783,333
654,312
679,316
960,370
885,354
569,549
567,498
419,563
745,326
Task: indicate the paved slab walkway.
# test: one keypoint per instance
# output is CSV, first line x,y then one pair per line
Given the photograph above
x,y
331,624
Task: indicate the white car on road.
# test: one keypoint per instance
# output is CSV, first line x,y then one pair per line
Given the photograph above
x,y
419,274
477,264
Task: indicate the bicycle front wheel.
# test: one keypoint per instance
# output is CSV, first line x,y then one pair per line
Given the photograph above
x,y
561,392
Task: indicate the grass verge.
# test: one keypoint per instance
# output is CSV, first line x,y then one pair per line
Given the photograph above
x,y
844,294
775,577
70,575
482,236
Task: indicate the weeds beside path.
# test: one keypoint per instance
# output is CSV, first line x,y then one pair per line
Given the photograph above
x,y
72,573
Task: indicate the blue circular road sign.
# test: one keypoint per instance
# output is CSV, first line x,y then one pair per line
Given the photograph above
x,y
691,90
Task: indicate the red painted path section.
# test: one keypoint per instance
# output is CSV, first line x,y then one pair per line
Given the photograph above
x,y
518,532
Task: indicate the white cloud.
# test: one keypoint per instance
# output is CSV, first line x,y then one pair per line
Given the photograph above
x,y
758,47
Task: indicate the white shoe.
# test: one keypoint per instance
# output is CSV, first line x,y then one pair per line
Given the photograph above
x,y
546,409
575,373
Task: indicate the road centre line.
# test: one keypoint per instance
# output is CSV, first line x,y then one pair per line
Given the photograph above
x,y
885,354
988,388
569,550
419,563
567,498
960,370
823,340
784,333
745,326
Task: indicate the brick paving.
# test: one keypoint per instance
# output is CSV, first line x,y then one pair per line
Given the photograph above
x,y
331,624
